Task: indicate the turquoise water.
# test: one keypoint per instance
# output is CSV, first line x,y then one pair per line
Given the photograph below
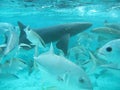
x,y
19,75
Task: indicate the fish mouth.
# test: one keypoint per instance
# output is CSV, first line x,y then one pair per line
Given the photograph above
x,y
101,55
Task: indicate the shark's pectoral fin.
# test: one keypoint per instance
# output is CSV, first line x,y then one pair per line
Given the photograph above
x,y
63,43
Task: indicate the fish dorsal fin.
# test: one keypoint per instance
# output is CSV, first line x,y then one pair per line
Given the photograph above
x,y
51,50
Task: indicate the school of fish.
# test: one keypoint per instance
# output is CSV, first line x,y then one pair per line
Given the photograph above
x,y
88,64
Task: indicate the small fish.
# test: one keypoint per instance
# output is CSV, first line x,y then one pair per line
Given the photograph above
x,y
107,32
4,27
113,25
12,67
34,38
63,68
110,51
12,41
9,70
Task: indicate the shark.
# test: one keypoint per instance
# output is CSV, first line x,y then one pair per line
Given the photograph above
x,y
58,33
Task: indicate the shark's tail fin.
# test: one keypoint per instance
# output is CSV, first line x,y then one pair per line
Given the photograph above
x,y
21,26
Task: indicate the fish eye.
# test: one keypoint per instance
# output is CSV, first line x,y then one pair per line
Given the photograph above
x,y
109,49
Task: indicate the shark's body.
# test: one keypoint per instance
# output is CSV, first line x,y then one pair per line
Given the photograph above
x,y
60,33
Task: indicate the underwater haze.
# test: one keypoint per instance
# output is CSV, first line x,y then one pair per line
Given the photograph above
x,y
59,45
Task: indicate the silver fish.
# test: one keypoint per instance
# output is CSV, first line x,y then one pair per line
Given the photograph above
x,y
110,51
10,69
12,41
107,32
4,27
61,66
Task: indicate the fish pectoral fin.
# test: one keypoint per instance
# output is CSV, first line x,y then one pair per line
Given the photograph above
x,y
59,78
63,43
64,77
24,45
111,66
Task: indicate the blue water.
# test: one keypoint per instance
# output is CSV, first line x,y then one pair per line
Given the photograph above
x,y
40,14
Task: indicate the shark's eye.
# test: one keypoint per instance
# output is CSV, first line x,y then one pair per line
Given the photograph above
x,y
109,49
